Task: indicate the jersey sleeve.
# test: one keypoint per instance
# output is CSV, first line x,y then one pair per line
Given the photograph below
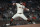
x,y
23,6
16,3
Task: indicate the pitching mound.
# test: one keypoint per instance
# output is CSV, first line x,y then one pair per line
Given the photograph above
x,y
29,25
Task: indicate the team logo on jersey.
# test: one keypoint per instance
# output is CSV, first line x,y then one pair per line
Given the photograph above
x,y
20,7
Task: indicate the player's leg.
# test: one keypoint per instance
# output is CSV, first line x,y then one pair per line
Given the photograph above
x,y
15,16
11,21
24,17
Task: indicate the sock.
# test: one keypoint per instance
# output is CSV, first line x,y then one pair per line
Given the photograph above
x,y
11,21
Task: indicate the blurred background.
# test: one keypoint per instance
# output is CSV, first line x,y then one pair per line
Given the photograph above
x,y
7,10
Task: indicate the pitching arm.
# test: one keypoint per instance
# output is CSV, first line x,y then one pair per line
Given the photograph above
x,y
25,8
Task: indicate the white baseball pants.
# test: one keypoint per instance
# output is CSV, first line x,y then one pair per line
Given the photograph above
x,y
19,15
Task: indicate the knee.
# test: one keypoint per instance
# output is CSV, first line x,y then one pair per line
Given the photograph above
x,y
26,19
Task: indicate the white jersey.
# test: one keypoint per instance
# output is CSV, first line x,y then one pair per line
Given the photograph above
x,y
20,8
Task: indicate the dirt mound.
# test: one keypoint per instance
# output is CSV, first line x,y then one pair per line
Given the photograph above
x,y
29,25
